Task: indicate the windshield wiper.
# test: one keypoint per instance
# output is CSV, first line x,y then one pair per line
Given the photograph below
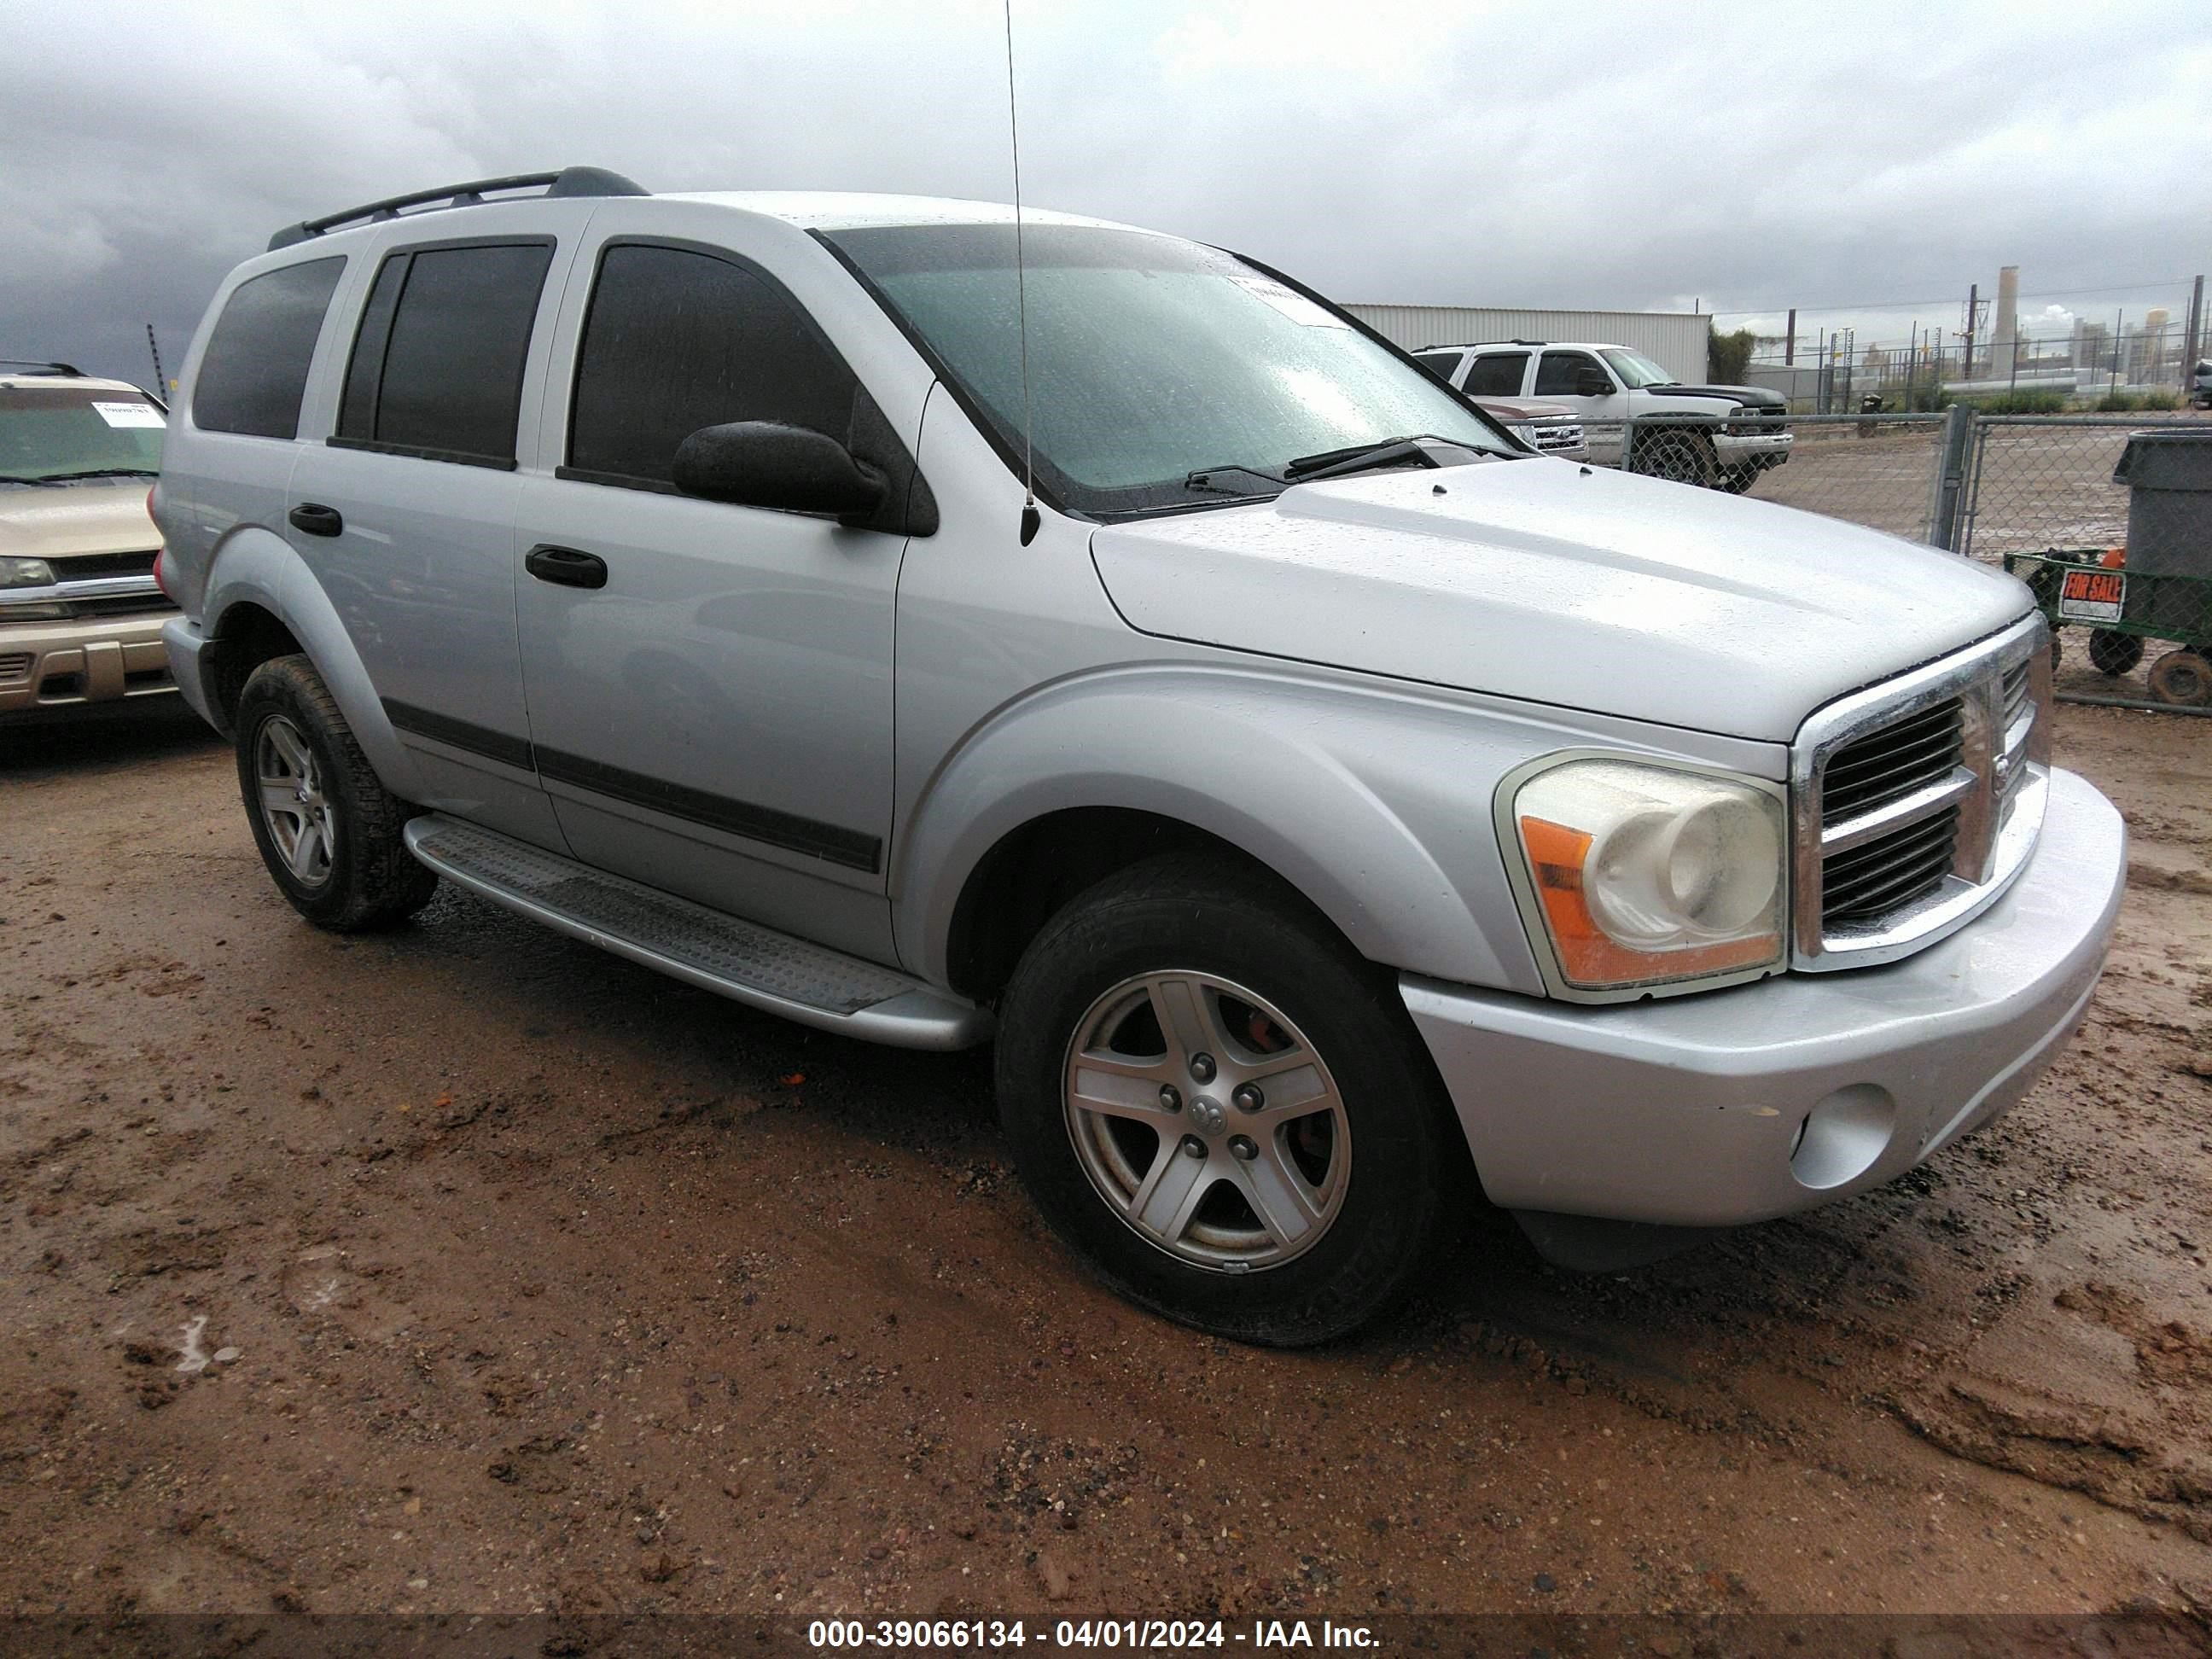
x,y
1202,478
93,473
1334,463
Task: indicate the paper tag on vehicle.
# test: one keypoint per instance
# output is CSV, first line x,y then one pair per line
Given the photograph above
x,y
2093,595
1292,304
128,414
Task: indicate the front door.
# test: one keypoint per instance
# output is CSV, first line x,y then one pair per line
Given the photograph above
x,y
1579,380
709,685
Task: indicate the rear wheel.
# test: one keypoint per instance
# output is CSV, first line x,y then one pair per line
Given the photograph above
x,y
1221,1107
2114,653
328,829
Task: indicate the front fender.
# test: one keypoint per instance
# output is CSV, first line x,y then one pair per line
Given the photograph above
x,y
253,566
1373,802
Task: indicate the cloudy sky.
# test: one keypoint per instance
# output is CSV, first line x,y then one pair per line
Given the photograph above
x,y
1643,156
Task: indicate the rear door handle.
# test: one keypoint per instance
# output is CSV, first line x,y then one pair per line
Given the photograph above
x,y
313,519
566,566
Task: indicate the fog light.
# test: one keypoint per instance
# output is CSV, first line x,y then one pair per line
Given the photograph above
x,y
1844,1136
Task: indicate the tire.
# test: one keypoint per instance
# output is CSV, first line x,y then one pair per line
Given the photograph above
x,y
1352,1160
1738,480
2114,653
2182,677
328,829
1679,455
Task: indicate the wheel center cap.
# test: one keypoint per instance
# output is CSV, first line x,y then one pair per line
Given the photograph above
x,y
1207,1117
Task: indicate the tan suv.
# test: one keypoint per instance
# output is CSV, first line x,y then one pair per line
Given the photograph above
x,y
81,612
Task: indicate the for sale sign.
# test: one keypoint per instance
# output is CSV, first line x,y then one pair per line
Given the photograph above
x,y
2093,595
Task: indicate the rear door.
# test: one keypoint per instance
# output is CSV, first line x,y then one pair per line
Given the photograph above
x,y
1496,374
711,711
406,515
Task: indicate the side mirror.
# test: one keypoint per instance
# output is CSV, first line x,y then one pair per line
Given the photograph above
x,y
1592,383
789,468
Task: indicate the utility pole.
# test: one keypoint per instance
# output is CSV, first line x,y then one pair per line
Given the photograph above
x,y
1967,341
1789,335
2192,334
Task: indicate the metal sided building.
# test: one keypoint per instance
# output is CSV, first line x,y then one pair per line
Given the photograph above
x,y
1676,340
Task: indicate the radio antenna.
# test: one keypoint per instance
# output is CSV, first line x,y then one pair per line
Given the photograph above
x,y
1030,519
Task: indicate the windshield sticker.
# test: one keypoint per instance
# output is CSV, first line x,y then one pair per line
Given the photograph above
x,y
1294,306
128,414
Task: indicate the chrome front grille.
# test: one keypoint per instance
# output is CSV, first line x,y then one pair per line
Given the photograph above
x,y
1917,801
1871,771
1870,881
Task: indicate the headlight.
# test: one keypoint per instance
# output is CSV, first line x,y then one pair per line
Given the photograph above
x,y
1641,876
25,573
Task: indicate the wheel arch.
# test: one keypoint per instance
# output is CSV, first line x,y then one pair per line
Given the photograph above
x,y
264,602
1364,813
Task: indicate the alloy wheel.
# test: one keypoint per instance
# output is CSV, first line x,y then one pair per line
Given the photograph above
x,y
299,817
1207,1120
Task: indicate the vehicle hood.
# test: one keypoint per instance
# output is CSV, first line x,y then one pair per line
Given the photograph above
x,y
61,521
1546,581
1759,396
1526,409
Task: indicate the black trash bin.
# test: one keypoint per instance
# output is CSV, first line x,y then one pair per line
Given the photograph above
x,y
2169,479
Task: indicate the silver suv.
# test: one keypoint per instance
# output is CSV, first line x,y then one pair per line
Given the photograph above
x,y
1318,795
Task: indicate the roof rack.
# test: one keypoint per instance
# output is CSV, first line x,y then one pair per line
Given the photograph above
x,y
35,366
568,182
1471,345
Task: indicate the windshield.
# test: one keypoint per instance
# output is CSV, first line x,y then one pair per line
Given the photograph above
x,y
47,432
1635,368
1149,359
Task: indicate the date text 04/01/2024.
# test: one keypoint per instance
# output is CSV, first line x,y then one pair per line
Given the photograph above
x,y
1138,1635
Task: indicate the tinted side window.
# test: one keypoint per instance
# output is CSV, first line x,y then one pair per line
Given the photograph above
x,y
437,367
676,340
1498,375
1556,374
1438,363
254,371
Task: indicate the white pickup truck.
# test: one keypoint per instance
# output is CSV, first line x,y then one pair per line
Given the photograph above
x,y
1721,436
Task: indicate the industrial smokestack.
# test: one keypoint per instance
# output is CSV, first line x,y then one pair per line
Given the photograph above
x,y
2003,327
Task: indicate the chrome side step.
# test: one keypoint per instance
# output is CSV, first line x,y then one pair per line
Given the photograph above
x,y
737,959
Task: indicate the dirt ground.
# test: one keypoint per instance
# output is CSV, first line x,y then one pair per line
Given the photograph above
x,y
467,1268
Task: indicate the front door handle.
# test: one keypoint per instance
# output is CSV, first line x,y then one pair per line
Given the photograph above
x,y
313,519
566,566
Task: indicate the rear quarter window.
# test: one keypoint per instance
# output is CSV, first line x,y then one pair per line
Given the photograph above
x,y
254,371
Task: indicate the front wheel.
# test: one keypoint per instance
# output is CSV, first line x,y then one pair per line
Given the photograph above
x,y
1738,480
1683,456
2182,677
328,829
1222,1108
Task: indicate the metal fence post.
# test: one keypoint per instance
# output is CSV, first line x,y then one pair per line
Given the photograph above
x,y
1945,522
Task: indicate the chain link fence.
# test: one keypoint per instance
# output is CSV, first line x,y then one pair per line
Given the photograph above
x,y
2108,518
2109,522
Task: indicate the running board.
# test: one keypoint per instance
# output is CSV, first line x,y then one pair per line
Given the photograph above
x,y
737,959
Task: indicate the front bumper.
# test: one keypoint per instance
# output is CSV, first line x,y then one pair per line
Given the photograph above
x,y
59,665
1752,449
1755,1102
